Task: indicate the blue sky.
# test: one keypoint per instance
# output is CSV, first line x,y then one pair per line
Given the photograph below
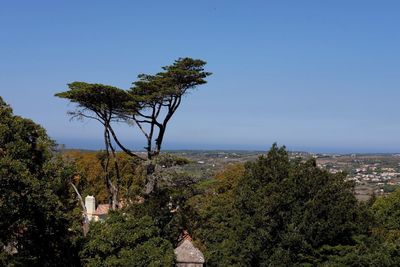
x,y
313,75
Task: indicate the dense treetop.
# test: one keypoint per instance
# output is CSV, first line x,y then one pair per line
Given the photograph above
x,y
123,240
96,101
37,222
281,212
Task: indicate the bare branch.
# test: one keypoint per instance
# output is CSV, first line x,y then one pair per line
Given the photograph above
x,y
142,115
141,121
141,128
85,226
127,151
80,199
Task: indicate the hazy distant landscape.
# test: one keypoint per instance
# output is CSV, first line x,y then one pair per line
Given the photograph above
x,y
373,174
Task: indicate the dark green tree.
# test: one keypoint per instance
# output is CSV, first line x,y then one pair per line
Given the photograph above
x,y
160,95
125,240
158,98
167,206
386,211
36,206
279,213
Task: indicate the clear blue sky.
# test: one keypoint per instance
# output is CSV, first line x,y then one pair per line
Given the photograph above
x,y
314,75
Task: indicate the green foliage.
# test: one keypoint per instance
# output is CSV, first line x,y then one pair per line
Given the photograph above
x,y
36,206
97,100
367,251
159,96
170,160
167,205
386,211
388,188
89,177
89,174
125,240
173,82
278,213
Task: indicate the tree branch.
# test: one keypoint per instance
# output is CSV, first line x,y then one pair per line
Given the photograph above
x,y
80,200
85,225
127,151
142,115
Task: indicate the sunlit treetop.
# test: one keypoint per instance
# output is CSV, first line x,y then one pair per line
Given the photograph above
x,y
172,82
96,101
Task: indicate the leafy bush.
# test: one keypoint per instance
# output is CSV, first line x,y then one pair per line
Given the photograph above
x,y
125,240
277,213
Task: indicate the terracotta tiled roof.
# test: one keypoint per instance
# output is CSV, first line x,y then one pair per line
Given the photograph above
x,y
102,209
184,236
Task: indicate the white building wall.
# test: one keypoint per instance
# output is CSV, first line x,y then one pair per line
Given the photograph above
x,y
90,203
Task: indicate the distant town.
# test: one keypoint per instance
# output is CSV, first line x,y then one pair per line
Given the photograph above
x,y
373,174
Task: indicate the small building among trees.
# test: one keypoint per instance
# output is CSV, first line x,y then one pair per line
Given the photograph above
x,y
93,213
186,254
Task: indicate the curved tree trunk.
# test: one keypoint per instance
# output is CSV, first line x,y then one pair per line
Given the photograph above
x,y
113,186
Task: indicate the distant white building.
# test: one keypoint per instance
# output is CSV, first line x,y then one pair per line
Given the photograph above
x,y
93,213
